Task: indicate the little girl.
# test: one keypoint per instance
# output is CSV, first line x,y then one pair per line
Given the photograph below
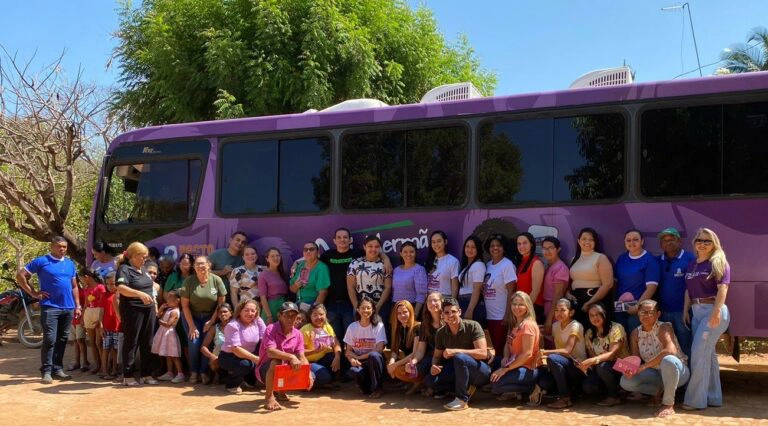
x,y
166,341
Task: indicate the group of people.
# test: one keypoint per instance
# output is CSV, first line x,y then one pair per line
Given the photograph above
x,y
498,318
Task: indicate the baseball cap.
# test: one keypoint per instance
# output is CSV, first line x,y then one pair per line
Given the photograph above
x,y
288,306
669,231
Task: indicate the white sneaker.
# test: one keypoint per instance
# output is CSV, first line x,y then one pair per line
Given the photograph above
x,y
456,405
193,378
166,377
149,380
179,378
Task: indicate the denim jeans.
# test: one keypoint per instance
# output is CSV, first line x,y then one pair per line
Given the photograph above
x,y
459,373
671,374
321,369
521,380
340,316
370,376
238,370
197,363
704,387
564,373
682,331
55,323
602,378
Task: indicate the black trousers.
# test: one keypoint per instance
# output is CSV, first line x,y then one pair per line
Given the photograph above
x,y
138,328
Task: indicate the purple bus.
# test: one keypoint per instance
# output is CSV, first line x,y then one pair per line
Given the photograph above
x,y
687,153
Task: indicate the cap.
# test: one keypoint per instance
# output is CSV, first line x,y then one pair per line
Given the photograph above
x,y
669,231
288,306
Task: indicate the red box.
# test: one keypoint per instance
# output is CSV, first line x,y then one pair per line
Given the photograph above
x,y
287,379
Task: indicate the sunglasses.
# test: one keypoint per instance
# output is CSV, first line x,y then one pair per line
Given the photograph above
x,y
306,249
700,241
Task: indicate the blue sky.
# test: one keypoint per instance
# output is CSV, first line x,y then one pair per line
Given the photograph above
x,y
532,46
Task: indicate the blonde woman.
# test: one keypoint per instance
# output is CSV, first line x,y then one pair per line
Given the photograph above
x,y
706,283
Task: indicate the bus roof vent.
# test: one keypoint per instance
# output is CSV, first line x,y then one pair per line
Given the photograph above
x,y
604,77
452,92
354,104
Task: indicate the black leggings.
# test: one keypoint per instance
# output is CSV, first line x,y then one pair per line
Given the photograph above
x,y
138,328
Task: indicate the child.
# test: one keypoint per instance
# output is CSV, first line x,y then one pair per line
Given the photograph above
x,y
111,326
92,316
301,319
166,341
78,335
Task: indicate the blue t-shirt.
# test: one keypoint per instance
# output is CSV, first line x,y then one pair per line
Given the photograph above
x,y
633,274
55,276
671,289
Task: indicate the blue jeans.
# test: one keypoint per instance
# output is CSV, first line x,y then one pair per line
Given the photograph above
x,y
321,369
704,387
671,374
55,323
602,377
520,380
478,314
459,373
370,376
238,370
340,316
682,332
564,373
197,363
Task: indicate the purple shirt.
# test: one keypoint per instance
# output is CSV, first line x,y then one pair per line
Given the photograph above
x,y
272,285
274,338
409,284
245,336
697,283
557,272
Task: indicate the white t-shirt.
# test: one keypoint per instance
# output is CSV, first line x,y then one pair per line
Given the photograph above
x,y
364,339
446,269
561,335
476,274
495,290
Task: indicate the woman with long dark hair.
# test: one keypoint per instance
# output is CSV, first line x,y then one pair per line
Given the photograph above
x,y
591,274
442,267
530,272
471,280
365,340
409,280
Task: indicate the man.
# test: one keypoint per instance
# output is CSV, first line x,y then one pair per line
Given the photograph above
x,y
59,297
674,262
223,261
281,343
459,357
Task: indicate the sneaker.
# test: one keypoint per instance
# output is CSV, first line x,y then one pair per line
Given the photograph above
x,y
178,379
456,405
166,377
46,379
193,378
205,379
130,382
61,375
471,391
236,391
149,380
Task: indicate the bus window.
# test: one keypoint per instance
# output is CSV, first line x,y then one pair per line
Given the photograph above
x,y
152,192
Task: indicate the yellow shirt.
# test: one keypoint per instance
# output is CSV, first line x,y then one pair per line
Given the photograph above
x,y
313,336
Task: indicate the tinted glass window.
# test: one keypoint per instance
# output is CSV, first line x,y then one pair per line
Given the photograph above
x,y
271,176
705,150
552,159
399,169
152,192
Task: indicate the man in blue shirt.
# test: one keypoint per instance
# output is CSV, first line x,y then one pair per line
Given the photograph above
x,y
674,262
58,297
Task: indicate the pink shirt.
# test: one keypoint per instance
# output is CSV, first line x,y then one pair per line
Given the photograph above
x,y
274,338
272,285
245,336
557,272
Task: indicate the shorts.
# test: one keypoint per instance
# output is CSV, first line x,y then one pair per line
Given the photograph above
x,y
77,332
111,340
92,318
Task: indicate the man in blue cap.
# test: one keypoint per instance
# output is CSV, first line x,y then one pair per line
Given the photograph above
x,y
674,262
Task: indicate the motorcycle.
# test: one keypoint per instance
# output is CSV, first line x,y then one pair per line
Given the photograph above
x,y
19,309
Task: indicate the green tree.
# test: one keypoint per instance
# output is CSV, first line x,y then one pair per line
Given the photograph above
x,y
746,57
189,60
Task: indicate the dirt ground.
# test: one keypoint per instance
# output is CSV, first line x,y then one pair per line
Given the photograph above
x,y
89,400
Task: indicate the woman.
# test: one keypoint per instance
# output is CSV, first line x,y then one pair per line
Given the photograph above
x,y
591,273
103,260
569,351
215,336
500,282
201,296
238,352
137,312
409,280
471,280
606,342
442,267
366,278
404,331
311,280
556,279
706,283
663,368
518,372
244,280
321,347
424,346
365,340
184,269
637,277
530,272
273,291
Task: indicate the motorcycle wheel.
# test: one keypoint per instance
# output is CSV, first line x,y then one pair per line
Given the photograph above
x,y
31,335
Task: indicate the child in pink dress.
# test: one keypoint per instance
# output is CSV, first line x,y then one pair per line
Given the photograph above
x,y
166,341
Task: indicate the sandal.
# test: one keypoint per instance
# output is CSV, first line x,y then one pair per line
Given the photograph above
x,y
561,403
534,399
609,402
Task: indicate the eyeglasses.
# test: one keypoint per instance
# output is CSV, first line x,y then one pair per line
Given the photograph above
x,y
646,313
632,240
306,249
200,265
549,248
700,241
